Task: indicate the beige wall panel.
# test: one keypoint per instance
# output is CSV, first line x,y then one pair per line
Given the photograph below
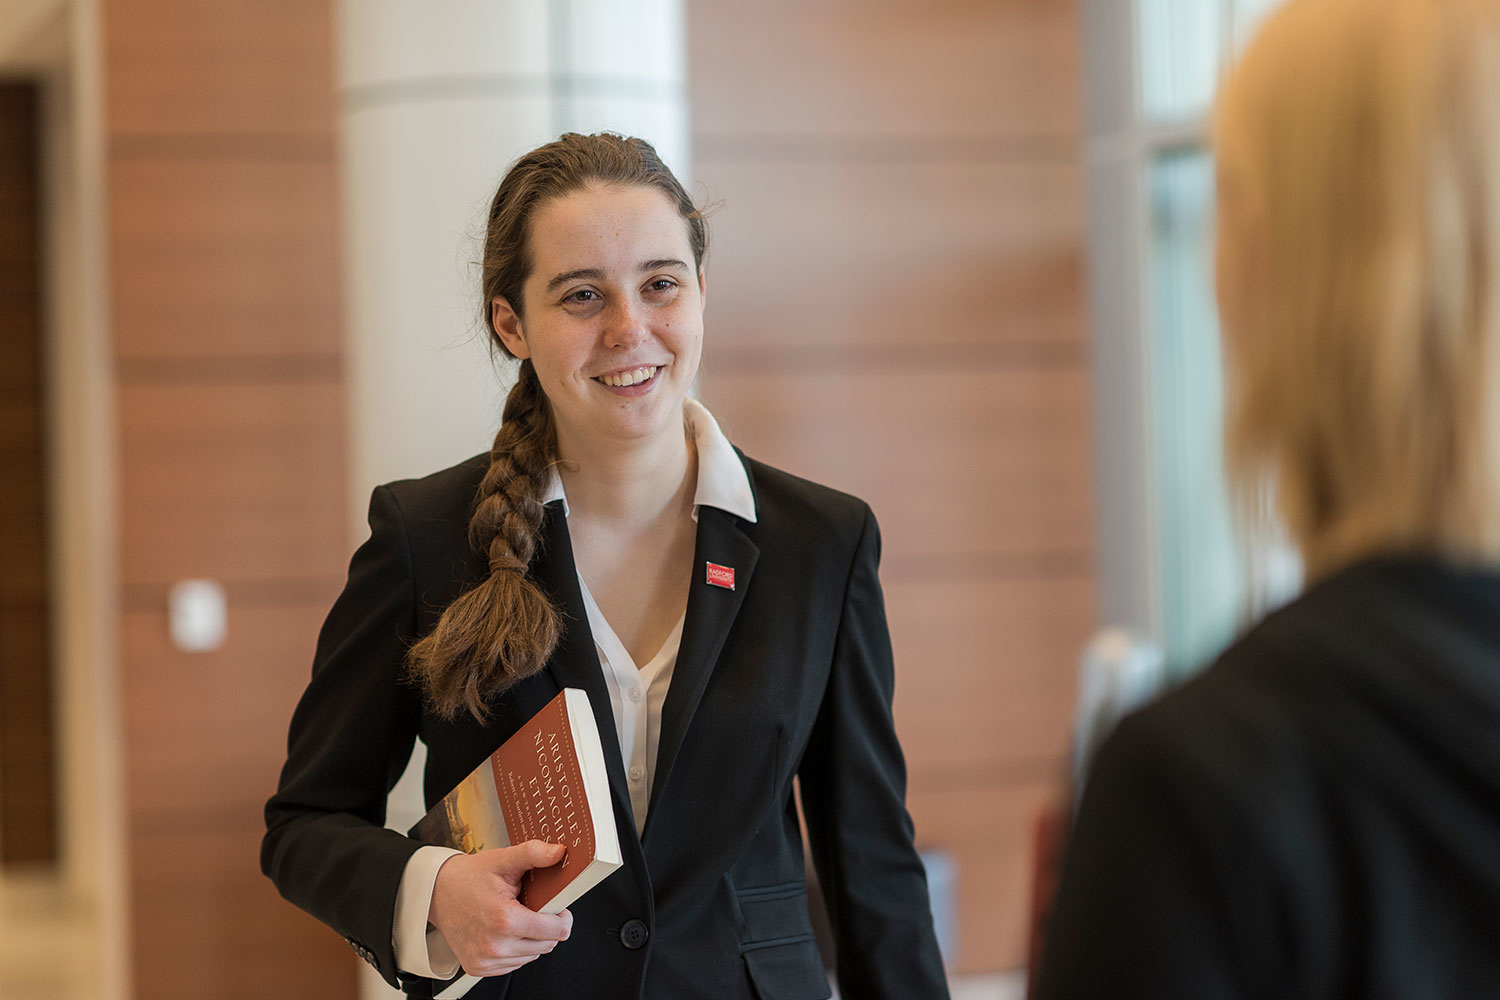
x,y
207,731
224,258
231,481
989,829
225,67
894,257
212,925
963,469
985,670
880,67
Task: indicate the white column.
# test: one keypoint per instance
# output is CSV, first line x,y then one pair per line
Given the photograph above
x,y
436,100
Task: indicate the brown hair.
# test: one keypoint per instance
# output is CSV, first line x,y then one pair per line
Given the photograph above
x,y
505,629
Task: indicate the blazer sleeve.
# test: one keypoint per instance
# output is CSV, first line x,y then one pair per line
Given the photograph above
x,y
351,736
854,798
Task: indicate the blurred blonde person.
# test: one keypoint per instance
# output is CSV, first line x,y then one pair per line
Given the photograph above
x,y
1318,814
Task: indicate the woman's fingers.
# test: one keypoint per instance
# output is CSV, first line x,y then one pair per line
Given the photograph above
x,y
508,921
475,907
506,954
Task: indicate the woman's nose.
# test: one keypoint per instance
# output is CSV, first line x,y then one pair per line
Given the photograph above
x,y
625,325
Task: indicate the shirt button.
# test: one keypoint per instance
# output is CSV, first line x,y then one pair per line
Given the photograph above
x,y
634,934
637,772
635,694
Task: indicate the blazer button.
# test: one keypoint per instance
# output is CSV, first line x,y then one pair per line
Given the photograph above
x,y
634,934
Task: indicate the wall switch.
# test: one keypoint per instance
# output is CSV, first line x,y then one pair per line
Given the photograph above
x,y
197,615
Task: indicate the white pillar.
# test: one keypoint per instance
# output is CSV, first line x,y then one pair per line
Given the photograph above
x,y
435,101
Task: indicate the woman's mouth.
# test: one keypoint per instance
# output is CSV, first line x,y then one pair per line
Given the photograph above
x,y
628,377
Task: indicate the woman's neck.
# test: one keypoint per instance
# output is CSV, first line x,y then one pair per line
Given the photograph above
x,y
629,487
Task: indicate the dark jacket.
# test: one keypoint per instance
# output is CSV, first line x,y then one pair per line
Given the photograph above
x,y
1317,816
788,675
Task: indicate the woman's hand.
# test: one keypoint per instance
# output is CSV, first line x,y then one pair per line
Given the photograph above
x,y
475,907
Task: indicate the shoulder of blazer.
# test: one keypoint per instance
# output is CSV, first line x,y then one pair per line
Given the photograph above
x,y
444,499
801,509
434,513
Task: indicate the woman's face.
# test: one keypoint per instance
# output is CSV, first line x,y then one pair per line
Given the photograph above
x,y
612,315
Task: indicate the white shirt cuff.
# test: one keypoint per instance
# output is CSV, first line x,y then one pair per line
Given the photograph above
x,y
419,951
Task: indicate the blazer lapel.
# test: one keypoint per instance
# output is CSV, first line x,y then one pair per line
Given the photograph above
x,y
575,662
711,610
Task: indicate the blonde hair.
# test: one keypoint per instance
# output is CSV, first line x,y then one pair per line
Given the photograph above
x,y
1361,139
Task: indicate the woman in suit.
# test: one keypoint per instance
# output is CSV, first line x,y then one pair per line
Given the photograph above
x,y
1318,814
724,617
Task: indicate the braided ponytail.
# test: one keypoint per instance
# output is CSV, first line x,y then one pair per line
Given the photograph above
x,y
505,629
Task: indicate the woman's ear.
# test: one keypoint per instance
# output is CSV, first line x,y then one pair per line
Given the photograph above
x,y
507,323
702,287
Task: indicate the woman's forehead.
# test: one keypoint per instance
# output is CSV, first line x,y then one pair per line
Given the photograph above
x,y
611,227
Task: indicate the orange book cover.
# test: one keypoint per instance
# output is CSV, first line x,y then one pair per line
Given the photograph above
x,y
546,782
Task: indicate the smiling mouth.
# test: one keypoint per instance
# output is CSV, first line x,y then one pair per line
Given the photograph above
x,y
631,376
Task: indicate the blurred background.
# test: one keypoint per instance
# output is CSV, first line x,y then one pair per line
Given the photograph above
x,y
960,267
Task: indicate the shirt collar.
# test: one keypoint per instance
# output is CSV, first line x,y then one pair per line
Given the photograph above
x,y
722,479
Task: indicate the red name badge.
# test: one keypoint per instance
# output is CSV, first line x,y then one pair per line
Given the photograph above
x,y
721,576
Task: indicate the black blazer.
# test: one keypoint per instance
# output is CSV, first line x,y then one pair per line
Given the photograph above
x,y
787,676
1316,816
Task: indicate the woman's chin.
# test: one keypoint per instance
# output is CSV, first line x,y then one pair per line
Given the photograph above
x,y
637,420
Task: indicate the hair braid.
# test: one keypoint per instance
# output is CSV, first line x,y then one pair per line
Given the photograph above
x,y
504,629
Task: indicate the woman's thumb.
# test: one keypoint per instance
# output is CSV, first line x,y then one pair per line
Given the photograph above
x,y
517,861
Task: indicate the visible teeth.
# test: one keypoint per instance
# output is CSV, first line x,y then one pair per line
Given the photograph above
x,y
633,377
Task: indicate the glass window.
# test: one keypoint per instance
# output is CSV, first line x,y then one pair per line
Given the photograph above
x,y
1171,566
1180,45
1200,577
1200,569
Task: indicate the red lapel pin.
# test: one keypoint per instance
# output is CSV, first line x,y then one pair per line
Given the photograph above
x,y
721,576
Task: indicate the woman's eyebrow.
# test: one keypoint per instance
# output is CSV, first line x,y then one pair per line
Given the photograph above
x,y
596,274
591,273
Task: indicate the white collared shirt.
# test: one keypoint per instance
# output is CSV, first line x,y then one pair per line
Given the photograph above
x,y
636,694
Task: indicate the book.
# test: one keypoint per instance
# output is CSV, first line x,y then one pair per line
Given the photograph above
x,y
546,782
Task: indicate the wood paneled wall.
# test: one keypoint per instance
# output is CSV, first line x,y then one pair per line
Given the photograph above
x,y
28,758
895,309
228,358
